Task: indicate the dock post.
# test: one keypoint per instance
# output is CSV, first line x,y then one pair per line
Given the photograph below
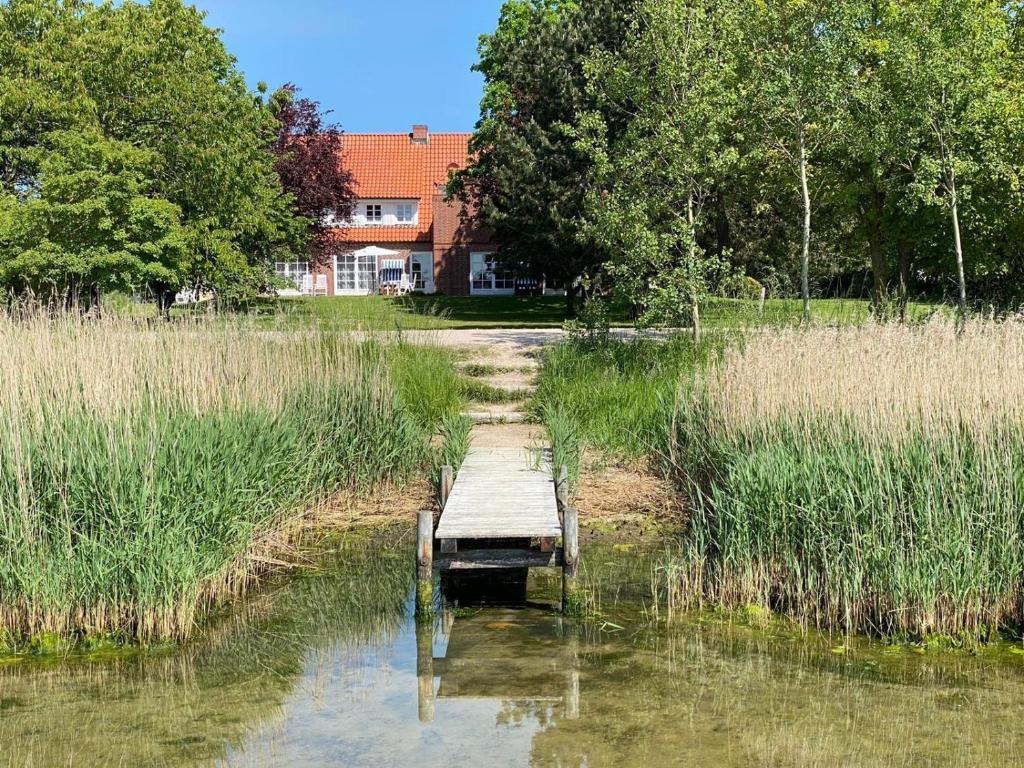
x,y
444,486
425,565
425,670
572,603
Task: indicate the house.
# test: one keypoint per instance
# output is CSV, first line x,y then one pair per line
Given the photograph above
x,y
403,233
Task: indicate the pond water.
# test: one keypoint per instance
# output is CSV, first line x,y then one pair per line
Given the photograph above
x,y
328,668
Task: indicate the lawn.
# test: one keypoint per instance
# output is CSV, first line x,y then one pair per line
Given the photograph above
x,y
469,312
416,312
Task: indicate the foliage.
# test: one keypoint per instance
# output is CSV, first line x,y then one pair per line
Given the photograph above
x,y
530,179
309,164
847,148
132,154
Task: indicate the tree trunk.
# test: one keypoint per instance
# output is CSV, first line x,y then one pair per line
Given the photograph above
x,y
695,304
164,301
805,258
955,210
570,299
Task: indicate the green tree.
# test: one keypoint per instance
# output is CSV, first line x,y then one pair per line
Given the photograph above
x,y
530,178
675,83
153,78
797,82
948,62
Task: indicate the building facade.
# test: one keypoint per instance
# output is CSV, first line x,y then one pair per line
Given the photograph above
x,y
403,234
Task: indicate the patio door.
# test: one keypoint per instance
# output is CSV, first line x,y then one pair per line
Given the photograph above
x,y
487,278
355,274
422,266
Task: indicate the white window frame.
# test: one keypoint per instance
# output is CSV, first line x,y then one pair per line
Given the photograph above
x,y
401,209
364,272
296,271
490,279
426,261
389,210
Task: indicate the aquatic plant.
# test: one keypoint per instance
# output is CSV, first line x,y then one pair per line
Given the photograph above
x,y
148,472
860,480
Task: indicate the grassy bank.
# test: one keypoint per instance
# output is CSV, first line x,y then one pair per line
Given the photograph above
x,y
864,479
147,473
867,480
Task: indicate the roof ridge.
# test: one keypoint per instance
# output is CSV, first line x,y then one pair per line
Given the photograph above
x,y
406,133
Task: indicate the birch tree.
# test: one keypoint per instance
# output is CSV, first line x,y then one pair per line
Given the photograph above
x,y
948,56
797,83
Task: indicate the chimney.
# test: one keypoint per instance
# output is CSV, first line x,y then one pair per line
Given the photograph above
x,y
420,134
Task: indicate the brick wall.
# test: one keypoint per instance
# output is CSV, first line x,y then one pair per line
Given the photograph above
x,y
457,233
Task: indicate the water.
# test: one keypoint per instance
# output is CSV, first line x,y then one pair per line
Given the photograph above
x,y
329,669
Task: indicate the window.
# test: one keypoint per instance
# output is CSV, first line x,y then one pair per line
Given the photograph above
x,y
296,271
374,213
487,276
405,213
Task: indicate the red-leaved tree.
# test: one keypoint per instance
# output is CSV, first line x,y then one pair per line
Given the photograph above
x,y
310,164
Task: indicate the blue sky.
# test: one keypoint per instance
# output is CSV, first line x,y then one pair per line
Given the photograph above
x,y
380,65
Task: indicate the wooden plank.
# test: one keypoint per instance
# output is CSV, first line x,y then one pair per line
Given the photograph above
x,y
502,493
498,558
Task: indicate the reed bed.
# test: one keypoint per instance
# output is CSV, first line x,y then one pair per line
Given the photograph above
x,y
149,472
864,479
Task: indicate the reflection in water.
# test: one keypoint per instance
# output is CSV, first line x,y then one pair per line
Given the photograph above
x,y
329,669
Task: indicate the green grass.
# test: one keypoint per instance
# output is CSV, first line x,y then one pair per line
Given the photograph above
x,y
145,473
415,312
739,313
381,313
619,395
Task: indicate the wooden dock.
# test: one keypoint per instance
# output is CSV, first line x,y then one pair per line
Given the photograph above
x,y
504,509
501,493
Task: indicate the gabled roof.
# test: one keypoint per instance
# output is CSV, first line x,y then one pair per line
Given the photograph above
x,y
392,166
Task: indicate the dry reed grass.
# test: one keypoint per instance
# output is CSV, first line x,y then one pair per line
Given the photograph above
x,y
149,472
892,377
862,480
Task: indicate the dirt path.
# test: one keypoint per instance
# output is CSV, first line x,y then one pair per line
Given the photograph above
x,y
612,497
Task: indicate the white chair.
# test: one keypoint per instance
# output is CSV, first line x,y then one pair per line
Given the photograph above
x,y
404,287
307,284
321,286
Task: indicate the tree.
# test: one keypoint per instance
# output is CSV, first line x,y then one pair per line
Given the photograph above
x,y
309,163
80,86
529,177
797,83
675,81
947,58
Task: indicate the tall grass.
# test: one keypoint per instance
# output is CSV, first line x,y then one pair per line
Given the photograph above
x,y
145,472
861,480
618,396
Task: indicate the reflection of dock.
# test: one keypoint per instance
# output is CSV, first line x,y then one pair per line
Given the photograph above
x,y
507,655
504,510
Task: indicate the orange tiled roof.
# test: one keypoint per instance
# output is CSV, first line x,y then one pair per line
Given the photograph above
x,y
391,166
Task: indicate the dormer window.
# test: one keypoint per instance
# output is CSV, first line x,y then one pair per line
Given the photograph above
x,y
382,213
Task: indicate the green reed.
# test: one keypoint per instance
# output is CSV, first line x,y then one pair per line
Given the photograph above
x,y
147,474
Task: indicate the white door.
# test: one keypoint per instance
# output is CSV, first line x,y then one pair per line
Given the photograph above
x,y
487,279
422,266
355,274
